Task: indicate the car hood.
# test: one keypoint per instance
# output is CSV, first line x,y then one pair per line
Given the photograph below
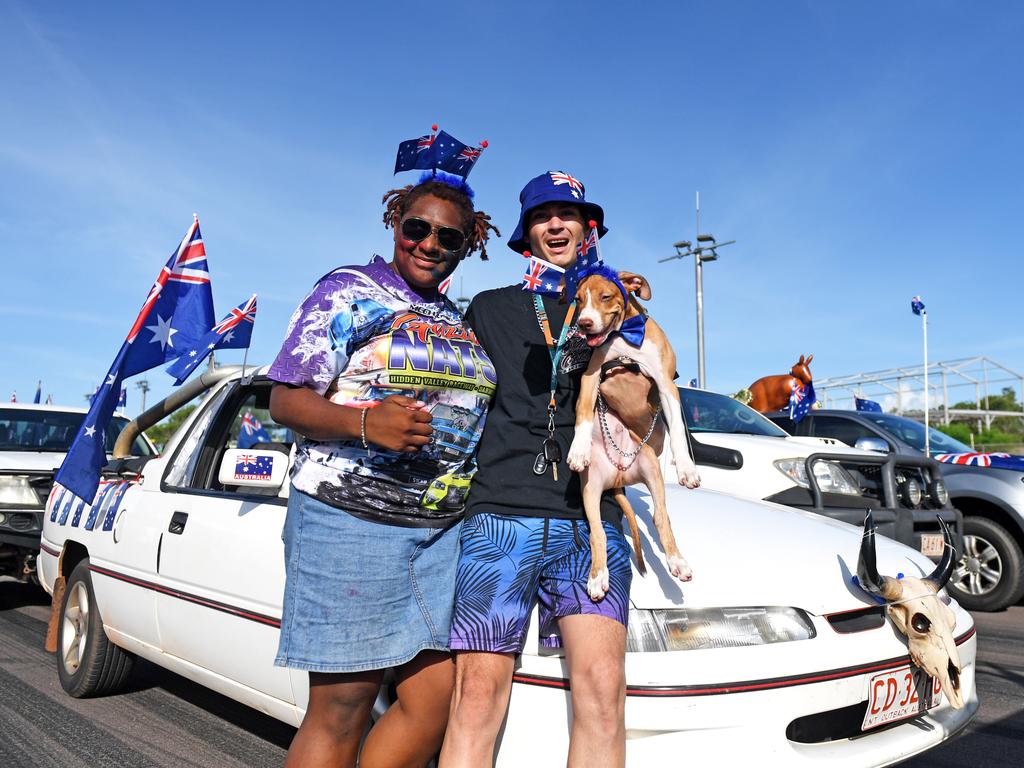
x,y
781,447
32,461
752,553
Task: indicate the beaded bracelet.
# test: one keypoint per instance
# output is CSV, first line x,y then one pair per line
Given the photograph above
x,y
362,428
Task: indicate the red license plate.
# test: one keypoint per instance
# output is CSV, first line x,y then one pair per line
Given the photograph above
x,y
899,694
932,544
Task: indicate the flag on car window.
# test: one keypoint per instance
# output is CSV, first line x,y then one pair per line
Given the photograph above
x,y
249,467
233,332
251,432
801,400
916,305
867,405
175,313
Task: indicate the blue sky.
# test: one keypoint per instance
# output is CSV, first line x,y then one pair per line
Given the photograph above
x,y
860,153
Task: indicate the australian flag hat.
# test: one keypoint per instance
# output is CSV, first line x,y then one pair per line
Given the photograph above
x,y
553,187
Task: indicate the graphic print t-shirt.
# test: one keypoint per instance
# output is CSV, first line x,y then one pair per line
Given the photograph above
x,y
361,335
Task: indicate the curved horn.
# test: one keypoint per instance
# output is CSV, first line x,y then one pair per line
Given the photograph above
x,y
867,565
944,569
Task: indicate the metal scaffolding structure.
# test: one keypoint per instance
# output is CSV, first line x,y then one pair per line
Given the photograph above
x,y
902,389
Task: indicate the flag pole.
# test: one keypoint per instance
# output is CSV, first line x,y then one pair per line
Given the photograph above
x,y
924,328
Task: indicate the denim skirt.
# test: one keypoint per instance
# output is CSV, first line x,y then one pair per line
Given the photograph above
x,y
361,595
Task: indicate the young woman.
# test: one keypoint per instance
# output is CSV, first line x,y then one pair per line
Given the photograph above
x,y
390,390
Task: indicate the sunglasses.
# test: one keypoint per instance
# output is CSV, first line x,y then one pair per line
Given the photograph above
x,y
449,238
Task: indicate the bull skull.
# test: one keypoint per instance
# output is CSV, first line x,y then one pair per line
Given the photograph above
x,y
917,612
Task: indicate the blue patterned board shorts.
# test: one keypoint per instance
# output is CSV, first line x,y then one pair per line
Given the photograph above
x,y
508,562
361,595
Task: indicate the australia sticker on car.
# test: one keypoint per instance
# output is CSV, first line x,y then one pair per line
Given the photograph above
x,y
248,467
899,694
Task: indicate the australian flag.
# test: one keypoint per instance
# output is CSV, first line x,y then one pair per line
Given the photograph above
x,y
916,305
454,156
420,153
251,432
233,332
249,467
867,405
175,314
122,399
588,254
542,277
39,392
800,401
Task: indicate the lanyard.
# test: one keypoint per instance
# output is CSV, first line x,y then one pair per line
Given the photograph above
x,y
554,350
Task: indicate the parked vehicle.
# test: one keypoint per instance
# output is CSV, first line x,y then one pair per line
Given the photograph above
x,y
991,574
33,442
769,656
741,452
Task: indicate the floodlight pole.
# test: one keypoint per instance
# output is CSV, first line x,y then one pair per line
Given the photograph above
x,y
143,385
699,280
701,252
924,327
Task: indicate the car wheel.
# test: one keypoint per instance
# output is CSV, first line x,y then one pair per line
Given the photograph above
x,y
88,664
990,575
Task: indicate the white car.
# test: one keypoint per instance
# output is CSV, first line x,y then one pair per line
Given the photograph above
x,y
741,452
770,655
33,442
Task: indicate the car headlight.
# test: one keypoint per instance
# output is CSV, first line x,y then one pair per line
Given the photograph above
x,y
16,492
831,477
938,492
910,492
691,629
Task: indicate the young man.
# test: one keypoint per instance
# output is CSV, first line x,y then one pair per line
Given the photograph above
x,y
525,538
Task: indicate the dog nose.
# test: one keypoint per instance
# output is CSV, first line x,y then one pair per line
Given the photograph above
x,y
585,323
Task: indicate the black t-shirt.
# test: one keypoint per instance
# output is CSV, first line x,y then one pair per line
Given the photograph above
x,y
505,323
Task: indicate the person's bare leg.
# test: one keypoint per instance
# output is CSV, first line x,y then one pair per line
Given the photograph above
x,y
483,683
595,649
410,732
336,718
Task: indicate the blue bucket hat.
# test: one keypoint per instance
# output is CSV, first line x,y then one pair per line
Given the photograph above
x,y
553,187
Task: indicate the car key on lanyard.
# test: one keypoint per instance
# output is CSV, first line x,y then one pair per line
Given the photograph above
x,y
551,451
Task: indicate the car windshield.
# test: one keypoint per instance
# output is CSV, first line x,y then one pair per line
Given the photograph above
x,y
912,433
53,431
711,412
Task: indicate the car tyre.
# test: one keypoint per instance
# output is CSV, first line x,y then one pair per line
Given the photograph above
x,y
88,664
990,576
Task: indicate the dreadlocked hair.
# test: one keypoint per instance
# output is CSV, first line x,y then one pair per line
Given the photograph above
x,y
476,224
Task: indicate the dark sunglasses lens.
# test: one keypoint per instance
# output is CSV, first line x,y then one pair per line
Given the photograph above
x,y
450,238
415,229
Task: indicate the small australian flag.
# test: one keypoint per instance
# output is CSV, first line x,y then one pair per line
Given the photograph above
x,y
916,305
250,467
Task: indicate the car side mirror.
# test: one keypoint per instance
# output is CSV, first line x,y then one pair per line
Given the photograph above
x,y
876,444
253,468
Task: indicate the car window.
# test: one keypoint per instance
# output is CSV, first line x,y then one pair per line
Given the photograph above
x,y
181,473
912,433
784,422
245,422
38,429
710,412
845,430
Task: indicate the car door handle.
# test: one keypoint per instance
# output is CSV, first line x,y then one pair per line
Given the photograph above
x,y
178,520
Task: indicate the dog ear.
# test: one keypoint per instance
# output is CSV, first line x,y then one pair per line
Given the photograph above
x,y
635,284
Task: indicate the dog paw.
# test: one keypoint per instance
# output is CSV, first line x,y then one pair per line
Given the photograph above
x,y
689,477
579,456
597,585
680,568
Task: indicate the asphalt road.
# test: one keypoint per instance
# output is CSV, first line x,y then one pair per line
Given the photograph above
x,y
165,720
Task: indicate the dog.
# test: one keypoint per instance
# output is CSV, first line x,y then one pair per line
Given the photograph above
x,y
627,397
